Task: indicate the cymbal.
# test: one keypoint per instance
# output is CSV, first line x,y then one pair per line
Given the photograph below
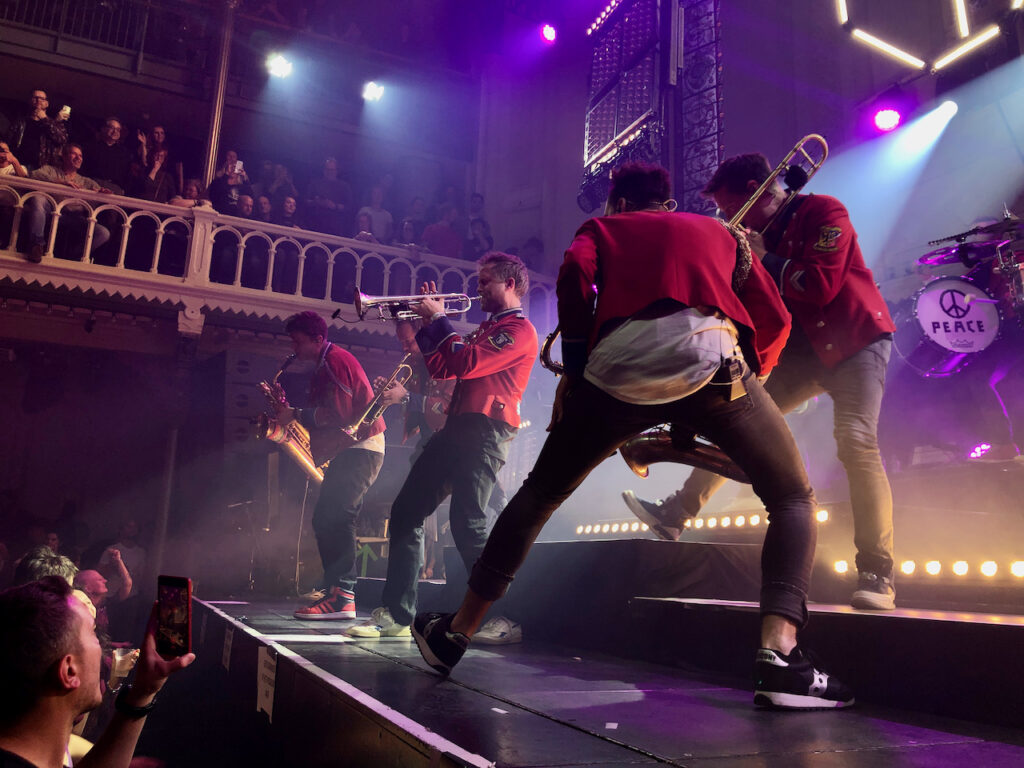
x,y
954,254
1009,225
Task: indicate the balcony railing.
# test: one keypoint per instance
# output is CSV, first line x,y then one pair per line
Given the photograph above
x,y
203,262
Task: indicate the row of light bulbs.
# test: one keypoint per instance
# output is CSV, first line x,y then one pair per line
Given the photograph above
x,y
604,15
988,568
696,523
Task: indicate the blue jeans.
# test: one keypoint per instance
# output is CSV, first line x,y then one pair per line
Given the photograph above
x,y
752,432
38,211
856,386
462,459
346,480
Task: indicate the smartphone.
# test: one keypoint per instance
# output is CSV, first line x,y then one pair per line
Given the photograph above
x,y
66,111
174,615
238,166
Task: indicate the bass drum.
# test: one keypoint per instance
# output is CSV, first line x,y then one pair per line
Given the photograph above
x,y
951,321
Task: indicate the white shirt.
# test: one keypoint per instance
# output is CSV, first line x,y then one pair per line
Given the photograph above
x,y
648,361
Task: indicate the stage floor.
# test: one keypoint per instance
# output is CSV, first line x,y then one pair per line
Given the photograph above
x,y
540,704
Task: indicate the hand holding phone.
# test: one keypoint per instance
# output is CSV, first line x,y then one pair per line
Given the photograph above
x,y
65,112
238,166
174,616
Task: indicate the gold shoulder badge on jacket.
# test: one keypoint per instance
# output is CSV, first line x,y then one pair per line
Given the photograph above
x,y
827,238
501,339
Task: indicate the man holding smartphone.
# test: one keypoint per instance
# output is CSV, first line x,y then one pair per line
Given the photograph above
x,y
50,660
37,138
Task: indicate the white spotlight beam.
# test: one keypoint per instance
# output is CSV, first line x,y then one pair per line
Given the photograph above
x,y
891,50
961,50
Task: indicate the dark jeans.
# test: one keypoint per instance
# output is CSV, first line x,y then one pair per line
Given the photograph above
x,y
463,460
346,480
856,386
750,429
39,210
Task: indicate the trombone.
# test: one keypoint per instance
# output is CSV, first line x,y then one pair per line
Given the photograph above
x,y
454,304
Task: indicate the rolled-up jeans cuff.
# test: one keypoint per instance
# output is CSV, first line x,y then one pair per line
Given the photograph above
x,y
784,600
488,583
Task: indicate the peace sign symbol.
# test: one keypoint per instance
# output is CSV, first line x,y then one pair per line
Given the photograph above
x,y
954,303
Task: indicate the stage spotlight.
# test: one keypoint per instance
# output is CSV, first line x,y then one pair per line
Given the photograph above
x,y
841,566
372,91
579,529
726,522
278,65
908,567
933,567
1017,568
979,450
960,567
822,515
548,34
887,119
989,568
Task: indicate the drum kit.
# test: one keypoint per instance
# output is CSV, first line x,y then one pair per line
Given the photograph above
x,y
956,317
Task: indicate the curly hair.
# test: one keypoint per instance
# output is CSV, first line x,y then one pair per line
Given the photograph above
x,y
641,184
308,322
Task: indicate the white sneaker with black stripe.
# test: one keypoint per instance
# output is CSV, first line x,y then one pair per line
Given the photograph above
x,y
794,682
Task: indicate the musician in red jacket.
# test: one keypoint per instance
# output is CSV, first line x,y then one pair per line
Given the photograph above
x,y
492,366
840,344
667,318
340,393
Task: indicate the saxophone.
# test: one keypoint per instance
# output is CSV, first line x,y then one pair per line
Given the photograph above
x,y
292,437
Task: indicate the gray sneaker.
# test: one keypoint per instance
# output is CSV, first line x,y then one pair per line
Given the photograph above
x,y
659,518
874,593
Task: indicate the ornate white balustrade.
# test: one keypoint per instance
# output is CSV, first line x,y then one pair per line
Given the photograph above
x,y
203,262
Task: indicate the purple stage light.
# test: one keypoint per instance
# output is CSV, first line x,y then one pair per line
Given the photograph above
x,y
548,33
887,119
979,450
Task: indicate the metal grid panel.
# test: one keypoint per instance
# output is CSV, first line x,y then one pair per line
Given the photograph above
x,y
601,124
606,61
639,29
636,93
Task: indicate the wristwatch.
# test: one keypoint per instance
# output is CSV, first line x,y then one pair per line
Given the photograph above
x,y
131,712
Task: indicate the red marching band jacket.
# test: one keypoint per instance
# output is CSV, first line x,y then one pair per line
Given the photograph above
x,y
492,364
628,261
340,392
818,267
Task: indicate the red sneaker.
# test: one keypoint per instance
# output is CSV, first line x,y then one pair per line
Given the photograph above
x,y
337,604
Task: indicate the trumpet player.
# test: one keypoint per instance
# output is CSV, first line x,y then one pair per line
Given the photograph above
x,y
339,392
840,344
491,367
665,318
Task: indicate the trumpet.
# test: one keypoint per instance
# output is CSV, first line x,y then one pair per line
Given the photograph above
x,y
375,409
454,304
795,176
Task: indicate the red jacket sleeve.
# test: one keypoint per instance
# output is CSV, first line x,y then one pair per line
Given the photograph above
x,y
497,351
815,254
769,315
341,390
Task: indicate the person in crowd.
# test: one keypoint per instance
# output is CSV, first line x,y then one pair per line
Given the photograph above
x,y
43,561
532,253
94,585
441,237
53,541
479,241
639,286
264,209
50,662
287,214
492,367
364,228
327,200
9,164
381,222
418,213
229,165
476,207
245,206
108,161
73,216
156,142
840,345
264,179
225,189
156,182
407,233
340,393
36,138
281,186
193,196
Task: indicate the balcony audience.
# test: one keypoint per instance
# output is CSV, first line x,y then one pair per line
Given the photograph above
x,y
441,237
109,161
381,222
328,201
9,164
37,138
154,142
193,196
263,209
156,183
74,216
286,214
226,188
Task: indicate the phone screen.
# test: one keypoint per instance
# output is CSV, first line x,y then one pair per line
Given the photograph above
x,y
238,166
174,616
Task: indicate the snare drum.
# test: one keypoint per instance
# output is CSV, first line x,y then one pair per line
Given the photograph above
x,y
952,320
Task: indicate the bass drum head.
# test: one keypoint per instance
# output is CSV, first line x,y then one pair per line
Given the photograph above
x,y
951,321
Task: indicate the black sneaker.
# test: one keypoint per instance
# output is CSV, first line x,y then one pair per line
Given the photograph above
x,y
874,593
793,682
654,513
440,647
